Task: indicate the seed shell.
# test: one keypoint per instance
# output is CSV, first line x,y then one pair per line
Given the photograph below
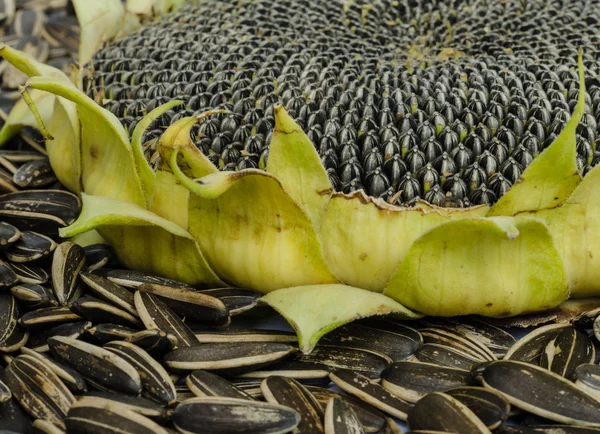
x,y
411,381
46,427
588,379
245,335
9,315
563,429
490,407
569,349
99,256
13,418
292,369
133,279
531,346
392,428
97,364
39,338
154,341
34,296
70,377
290,393
31,246
203,383
340,418
137,404
541,392
444,356
8,277
441,412
457,340
48,317
8,234
219,415
5,393
29,273
109,291
33,174
237,300
98,311
101,334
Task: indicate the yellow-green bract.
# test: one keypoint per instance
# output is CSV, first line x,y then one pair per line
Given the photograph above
x,y
322,258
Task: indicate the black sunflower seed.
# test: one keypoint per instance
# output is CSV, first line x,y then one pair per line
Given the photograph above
x,y
13,418
531,346
490,407
541,392
12,335
109,291
8,277
8,234
245,335
69,376
459,341
227,357
251,386
569,349
48,317
31,246
411,381
33,174
5,393
237,300
154,341
290,393
292,369
97,364
156,314
101,334
392,427
38,340
67,263
34,296
137,404
219,415
441,412
203,383
444,356
98,311
588,379
361,387
30,273
38,389
193,305
99,416
156,383
133,279
99,256
340,418
45,427
563,429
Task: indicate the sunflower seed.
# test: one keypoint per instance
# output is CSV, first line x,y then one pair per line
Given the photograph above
x,y
12,336
5,393
6,181
237,300
371,419
67,262
564,429
154,341
99,256
569,349
156,314
34,296
531,346
361,387
97,364
38,389
8,277
101,334
156,383
29,273
13,418
34,174
290,393
48,316
20,156
202,383
133,279
228,357
109,291
411,381
39,338
137,404
46,427
251,386
439,411
505,429
193,305
245,335
366,363
443,355
456,340
292,369
396,347
490,407
8,234
597,328
588,379
184,393
69,376
392,428
98,311
340,418
90,415
219,415
31,246
541,392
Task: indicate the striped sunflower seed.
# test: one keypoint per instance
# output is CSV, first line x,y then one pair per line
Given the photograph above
x,y
452,338
39,391
156,314
156,383
67,263
45,427
48,317
69,376
564,429
31,246
226,357
392,428
34,296
443,355
154,341
531,346
441,412
292,369
89,415
30,273
541,392
203,383
219,415
38,340
34,174
245,335
193,305
340,418
12,335
290,393
109,291
101,334
8,277
362,388
99,256
98,311
133,279
237,300
97,364
8,234
411,381
251,386
5,393
13,418
588,379
137,404
6,181
569,349
490,407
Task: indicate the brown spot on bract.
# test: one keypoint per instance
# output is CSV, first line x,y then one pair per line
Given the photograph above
x,y
326,192
93,152
590,255
489,304
363,256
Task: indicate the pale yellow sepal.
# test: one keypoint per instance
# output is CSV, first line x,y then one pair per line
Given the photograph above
x,y
144,241
315,310
364,239
498,267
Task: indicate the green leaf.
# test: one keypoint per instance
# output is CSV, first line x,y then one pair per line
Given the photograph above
x,y
252,232
498,267
364,239
315,310
144,241
107,163
294,161
553,175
